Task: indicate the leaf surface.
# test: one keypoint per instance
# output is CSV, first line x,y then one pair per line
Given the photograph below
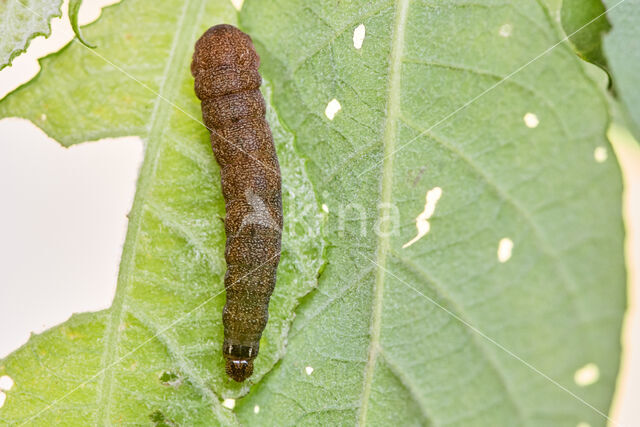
x,y
155,355
21,21
454,327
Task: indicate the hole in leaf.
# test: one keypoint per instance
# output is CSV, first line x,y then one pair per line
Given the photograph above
x,y
422,223
531,120
237,4
308,370
358,36
256,409
332,109
506,30
504,249
600,154
587,375
229,403
6,383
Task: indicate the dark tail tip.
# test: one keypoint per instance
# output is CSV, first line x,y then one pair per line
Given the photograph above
x,y
239,370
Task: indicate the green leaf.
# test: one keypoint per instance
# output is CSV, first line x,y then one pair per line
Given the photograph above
x,y
21,21
435,332
586,22
554,8
392,330
155,355
622,49
74,9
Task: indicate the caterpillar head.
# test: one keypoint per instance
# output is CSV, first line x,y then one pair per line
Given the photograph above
x,y
224,47
224,62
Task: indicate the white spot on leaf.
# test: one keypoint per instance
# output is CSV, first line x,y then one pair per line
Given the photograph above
x,y
358,36
332,109
531,120
43,117
256,409
308,370
229,403
325,208
422,224
3,398
506,30
6,383
600,154
587,375
504,249
583,424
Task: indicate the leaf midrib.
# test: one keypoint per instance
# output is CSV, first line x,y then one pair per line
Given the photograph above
x,y
153,139
393,111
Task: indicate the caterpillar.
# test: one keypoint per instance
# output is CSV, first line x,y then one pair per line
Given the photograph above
x,y
225,70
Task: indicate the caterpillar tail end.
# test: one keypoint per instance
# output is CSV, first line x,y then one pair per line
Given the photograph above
x,y
239,369
239,358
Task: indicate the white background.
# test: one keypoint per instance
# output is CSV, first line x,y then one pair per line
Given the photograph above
x,y
63,222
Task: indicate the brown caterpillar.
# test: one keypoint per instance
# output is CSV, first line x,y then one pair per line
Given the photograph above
x,y
225,68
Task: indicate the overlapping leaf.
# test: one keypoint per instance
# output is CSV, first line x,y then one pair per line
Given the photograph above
x,y
21,21
586,23
622,49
